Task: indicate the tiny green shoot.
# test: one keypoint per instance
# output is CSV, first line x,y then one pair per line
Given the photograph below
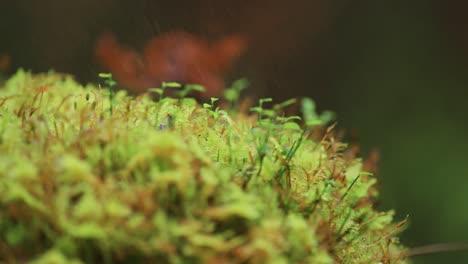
x,y
311,118
190,87
214,112
259,109
164,86
233,93
111,84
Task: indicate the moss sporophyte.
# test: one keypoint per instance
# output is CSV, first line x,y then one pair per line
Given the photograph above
x,y
172,181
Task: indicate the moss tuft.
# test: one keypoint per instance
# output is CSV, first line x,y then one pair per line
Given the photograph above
x,y
173,181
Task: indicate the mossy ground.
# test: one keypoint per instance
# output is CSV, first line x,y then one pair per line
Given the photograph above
x,y
172,181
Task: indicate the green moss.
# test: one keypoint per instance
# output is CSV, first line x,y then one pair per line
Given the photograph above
x,y
172,181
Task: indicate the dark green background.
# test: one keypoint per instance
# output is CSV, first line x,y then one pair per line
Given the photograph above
x,y
395,71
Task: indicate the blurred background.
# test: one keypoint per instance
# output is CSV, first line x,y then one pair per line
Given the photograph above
x,y
395,72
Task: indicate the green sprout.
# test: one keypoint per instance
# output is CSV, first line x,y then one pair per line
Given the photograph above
x,y
214,112
164,86
190,87
232,94
311,118
111,84
287,121
262,112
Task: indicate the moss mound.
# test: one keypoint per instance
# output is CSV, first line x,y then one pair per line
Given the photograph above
x,y
175,182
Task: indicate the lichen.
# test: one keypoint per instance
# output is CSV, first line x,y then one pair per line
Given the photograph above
x,y
175,182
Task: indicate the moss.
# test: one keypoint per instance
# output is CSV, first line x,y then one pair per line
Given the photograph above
x,y
172,181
